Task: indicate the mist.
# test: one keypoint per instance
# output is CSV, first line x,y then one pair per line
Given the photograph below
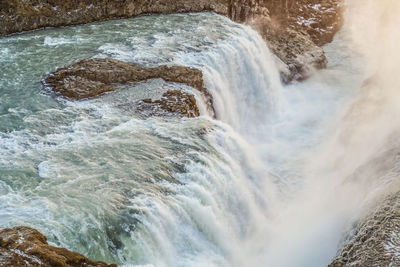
x,y
348,173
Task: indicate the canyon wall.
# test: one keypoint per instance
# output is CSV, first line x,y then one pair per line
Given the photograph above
x,y
376,239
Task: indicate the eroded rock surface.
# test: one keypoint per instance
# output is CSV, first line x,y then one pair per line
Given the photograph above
x,y
299,53
376,241
295,29
320,19
24,246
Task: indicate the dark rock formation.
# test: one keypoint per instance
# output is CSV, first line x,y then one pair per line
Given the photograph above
x,y
24,246
175,102
295,29
297,51
320,19
23,15
93,77
376,241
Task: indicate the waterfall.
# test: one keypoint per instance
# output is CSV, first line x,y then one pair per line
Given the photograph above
x,y
225,195
241,74
97,178
164,193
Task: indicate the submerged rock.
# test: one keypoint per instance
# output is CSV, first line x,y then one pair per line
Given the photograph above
x,y
24,246
377,238
294,29
92,77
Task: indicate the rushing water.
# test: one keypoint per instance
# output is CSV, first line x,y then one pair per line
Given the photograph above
x,y
97,178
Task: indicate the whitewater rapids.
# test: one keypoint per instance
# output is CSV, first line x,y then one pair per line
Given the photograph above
x,y
96,178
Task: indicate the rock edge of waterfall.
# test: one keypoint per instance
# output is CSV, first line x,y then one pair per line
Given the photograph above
x,y
295,30
24,246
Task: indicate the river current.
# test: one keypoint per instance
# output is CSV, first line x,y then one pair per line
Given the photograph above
x,y
97,178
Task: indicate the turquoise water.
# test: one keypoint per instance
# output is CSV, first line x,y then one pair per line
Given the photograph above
x,y
92,175
97,178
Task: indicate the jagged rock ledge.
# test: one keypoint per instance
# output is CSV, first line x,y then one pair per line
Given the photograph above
x,y
376,240
294,29
95,76
24,246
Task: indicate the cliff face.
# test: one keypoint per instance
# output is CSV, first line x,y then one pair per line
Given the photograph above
x,y
376,240
17,16
320,19
294,29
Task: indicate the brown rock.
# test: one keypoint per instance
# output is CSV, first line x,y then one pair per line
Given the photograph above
x,y
297,51
173,102
320,19
24,246
296,30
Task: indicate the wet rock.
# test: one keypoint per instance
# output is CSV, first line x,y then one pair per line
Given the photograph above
x,y
93,77
295,29
23,15
297,51
24,246
376,239
174,102
320,19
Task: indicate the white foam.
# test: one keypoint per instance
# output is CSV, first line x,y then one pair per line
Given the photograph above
x,y
56,41
118,51
48,169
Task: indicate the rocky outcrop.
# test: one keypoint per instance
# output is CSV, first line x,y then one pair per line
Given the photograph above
x,y
295,29
377,238
320,19
297,51
24,246
92,77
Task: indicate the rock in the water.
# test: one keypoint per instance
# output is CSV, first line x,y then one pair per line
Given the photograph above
x,y
173,102
24,246
93,77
